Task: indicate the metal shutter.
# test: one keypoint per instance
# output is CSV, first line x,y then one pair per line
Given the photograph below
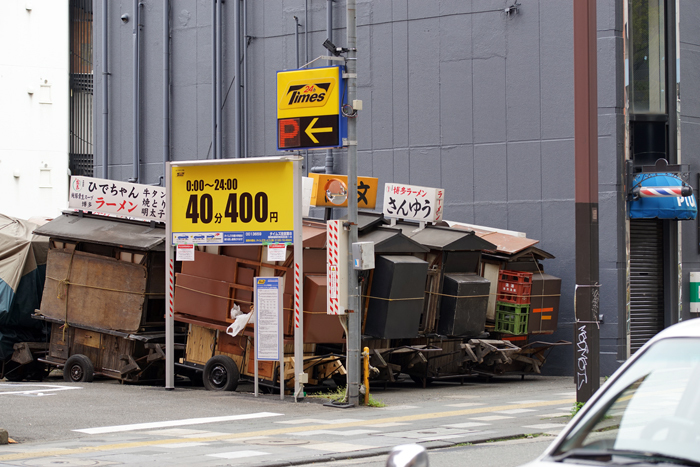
x,y
646,281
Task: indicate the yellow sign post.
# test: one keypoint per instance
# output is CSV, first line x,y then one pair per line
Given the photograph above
x,y
232,204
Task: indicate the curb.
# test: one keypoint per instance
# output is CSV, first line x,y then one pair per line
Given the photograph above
x,y
428,445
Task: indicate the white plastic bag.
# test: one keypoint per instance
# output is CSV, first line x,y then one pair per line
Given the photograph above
x,y
239,324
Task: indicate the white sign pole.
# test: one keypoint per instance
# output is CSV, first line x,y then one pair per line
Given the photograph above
x,y
280,334
298,286
169,289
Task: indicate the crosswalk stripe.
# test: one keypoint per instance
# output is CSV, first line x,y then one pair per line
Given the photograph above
x,y
171,423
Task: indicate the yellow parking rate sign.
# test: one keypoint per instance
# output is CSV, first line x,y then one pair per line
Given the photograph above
x,y
232,204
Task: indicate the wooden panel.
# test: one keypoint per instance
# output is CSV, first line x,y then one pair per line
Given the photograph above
x,y
58,347
87,338
232,345
96,356
87,301
245,277
319,327
266,369
205,298
200,344
156,272
491,273
114,348
449,360
209,266
250,252
314,261
287,314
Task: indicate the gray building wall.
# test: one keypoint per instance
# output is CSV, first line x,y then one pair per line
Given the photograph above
x,y
457,94
690,133
611,156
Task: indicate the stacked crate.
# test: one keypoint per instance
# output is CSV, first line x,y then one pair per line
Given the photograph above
x,y
513,302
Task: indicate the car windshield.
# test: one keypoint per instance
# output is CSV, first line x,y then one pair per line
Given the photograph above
x,y
651,411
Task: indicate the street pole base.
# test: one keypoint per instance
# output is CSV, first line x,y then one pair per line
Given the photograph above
x,y
338,405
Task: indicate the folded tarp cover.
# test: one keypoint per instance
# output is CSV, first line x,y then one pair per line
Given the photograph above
x,y
22,275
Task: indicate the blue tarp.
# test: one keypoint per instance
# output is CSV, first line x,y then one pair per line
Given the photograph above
x,y
22,276
661,208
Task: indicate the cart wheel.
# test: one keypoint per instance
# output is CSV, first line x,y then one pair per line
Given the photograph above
x,y
220,374
78,369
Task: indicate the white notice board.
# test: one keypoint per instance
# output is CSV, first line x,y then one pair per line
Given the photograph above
x,y
268,325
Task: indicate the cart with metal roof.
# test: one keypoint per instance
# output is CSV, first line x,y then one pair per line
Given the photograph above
x,y
426,303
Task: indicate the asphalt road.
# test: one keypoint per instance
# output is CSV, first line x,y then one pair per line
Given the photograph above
x,y
497,454
106,423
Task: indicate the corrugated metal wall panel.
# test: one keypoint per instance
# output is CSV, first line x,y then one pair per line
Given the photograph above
x,y
646,281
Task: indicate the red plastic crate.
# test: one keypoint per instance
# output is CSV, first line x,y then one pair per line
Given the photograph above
x,y
515,276
514,287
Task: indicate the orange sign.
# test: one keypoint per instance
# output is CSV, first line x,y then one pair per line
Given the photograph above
x,y
366,190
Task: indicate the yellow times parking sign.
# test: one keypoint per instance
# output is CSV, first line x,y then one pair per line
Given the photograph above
x,y
232,204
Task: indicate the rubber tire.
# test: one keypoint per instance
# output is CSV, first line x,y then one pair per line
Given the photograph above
x,y
220,374
78,369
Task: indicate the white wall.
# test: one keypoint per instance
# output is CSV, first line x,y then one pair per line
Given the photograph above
x,y
34,107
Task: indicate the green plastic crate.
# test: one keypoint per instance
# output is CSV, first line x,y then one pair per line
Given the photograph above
x,y
511,319
518,309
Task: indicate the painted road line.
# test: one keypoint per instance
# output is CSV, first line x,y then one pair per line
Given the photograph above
x,y
180,445
302,421
466,404
337,432
491,418
273,432
546,426
238,454
171,423
337,447
466,425
516,411
44,389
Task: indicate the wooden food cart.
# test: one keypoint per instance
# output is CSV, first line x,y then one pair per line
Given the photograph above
x,y
104,296
220,277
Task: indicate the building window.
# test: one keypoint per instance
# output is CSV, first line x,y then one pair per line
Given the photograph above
x,y
647,66
81,88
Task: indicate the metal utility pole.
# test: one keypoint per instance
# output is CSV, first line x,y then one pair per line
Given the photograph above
x,y
587,293
354,312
